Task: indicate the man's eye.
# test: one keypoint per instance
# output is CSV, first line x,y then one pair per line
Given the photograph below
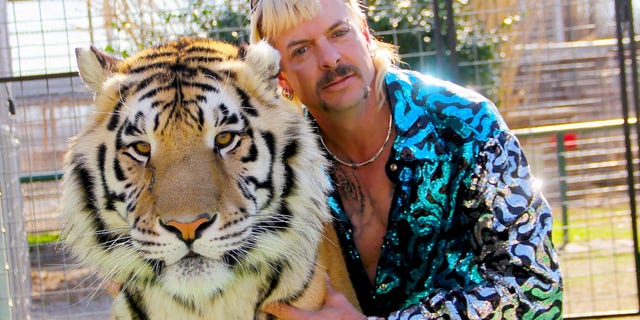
x,y
299,51
341,32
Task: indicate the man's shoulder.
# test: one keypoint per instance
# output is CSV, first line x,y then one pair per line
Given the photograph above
x,y
447,104
427,86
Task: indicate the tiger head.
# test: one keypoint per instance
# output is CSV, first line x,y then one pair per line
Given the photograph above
x,y
193,170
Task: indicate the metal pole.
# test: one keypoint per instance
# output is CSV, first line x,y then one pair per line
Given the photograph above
x,y
437,37
5,51
562,175
454,73
623,6
15,279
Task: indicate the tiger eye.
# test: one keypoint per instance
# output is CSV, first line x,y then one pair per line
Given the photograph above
x,y
142,147
224,138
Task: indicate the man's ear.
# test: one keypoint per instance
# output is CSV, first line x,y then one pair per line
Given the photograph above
x,y
285,86
365,30
283,82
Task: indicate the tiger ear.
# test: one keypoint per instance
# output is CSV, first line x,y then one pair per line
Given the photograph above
x,y
263,59
95,66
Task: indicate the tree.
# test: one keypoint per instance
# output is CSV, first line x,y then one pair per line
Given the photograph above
x,y
425,32
135,24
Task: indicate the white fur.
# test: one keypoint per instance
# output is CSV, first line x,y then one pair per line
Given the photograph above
x,y
210,288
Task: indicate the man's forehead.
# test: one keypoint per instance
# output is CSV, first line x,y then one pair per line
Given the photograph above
x,y
328,18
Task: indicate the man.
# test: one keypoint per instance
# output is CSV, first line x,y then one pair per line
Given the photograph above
x,y
437,212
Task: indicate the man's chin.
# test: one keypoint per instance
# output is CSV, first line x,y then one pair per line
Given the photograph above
x,y
344,99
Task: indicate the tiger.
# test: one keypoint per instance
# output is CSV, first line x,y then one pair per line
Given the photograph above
x,y
197,186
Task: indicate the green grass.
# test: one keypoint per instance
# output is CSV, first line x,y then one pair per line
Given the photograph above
x,y
591,232
43,238
586,224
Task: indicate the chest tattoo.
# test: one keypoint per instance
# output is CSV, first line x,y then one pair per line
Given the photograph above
x,y
350,189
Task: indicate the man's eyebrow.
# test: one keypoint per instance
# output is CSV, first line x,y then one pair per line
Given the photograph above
x,y
294,43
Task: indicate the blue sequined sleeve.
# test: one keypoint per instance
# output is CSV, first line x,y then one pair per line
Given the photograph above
x,y
512,240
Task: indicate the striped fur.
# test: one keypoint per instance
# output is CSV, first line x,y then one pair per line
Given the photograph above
x,y
197,187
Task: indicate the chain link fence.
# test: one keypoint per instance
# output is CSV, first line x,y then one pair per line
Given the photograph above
x,y
553,67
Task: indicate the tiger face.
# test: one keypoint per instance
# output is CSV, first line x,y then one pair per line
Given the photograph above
x,y
194,181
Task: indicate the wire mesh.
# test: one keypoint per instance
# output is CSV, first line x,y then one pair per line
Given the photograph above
x,y
553,71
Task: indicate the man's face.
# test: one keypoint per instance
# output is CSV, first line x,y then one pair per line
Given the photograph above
x,y
326,60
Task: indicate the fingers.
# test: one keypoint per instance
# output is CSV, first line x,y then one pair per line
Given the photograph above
x,y
330,289
113,288
285,311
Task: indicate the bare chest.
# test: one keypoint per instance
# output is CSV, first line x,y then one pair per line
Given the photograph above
x,y
366,195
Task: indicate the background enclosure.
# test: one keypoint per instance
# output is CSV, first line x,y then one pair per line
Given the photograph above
x,y
561,72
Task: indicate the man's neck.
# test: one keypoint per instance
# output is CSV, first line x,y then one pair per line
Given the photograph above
x,y
355,134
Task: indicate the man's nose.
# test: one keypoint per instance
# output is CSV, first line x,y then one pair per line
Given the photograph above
x,y
328,54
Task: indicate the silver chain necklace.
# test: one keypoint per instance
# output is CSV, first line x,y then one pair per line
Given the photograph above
x,y
375,156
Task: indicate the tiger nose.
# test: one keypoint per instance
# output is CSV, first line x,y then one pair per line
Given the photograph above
x,y
188,231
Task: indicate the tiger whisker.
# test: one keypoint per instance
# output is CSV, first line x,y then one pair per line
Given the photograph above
x,y
169,117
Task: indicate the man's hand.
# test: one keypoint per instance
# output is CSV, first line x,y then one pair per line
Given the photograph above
x,y
336,306
113,288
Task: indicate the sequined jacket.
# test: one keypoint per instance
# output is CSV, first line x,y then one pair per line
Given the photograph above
x,y
469,232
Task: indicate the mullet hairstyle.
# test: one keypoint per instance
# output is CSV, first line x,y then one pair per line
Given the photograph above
x,y
271,18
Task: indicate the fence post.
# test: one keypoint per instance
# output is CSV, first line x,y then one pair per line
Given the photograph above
x,y
15,279
624,19
5,50
562,179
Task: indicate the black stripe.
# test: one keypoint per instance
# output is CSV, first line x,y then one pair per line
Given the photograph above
x,y
135,127
136,308
203,59
155,54
200,85
231,258
224,110
110,197
270,141
245,104
272,281
252,155
205,50
153,92
117,170
281,222
144,83
87,182
199,118
132,206
146,67
298,294
290,151
183,71
156,121
245,189
230,75
210,73
115,117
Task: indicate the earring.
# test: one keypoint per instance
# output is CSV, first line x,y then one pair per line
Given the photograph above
x,y
287,93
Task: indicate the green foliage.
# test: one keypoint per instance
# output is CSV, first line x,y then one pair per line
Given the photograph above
x,y
414,26
420,33
225,21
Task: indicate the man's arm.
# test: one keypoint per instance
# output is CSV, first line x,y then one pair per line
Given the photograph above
x,y
512,236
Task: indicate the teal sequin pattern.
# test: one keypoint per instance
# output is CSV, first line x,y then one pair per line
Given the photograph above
x,y
469,234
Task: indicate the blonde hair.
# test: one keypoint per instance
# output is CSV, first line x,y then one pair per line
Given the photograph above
x,y
271,18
